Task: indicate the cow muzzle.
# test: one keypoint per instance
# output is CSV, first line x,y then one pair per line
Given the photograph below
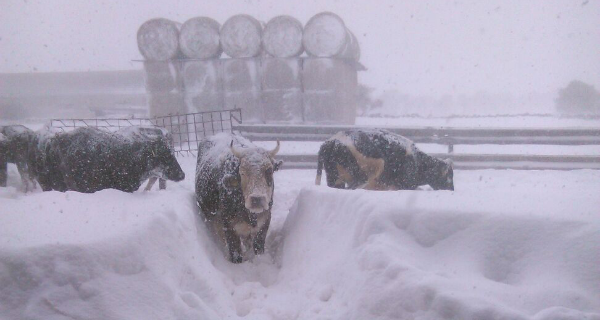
x,y
257,203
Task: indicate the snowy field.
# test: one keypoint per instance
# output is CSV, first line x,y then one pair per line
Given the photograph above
x,y
504,245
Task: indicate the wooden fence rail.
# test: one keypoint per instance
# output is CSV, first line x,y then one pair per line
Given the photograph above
x,y
451,137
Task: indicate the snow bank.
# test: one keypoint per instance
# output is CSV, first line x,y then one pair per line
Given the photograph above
x,y
109,255
444,255
505,245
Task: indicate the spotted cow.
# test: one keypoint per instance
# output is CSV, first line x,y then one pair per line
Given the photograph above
x,y
380,160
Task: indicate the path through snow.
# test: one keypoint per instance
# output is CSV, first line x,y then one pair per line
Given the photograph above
x,y
504,245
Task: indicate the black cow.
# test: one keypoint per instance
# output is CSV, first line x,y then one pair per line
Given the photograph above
x,y
380,160
234,189
14,149
89,159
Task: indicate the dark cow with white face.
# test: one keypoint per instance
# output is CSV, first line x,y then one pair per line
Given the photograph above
x,y
14,149
89,159
380,160
234,190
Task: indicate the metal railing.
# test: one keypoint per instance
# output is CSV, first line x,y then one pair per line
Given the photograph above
x,y
187,129
450,137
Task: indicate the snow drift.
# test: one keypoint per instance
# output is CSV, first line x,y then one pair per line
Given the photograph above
x,y
475,253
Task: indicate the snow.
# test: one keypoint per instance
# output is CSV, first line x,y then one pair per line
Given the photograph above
x,y
504,245
221,148
142,132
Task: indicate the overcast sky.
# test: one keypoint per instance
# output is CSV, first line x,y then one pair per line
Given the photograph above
x,y
419,47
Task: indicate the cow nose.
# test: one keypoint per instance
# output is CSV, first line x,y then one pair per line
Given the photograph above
x,y
256,201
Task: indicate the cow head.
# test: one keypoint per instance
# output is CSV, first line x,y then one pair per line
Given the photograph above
x,y
443,178
163,162
256,176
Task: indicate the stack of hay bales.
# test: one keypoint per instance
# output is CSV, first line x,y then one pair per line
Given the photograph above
x,y
240,37
158,41
265,75
329,84
281,70
200,42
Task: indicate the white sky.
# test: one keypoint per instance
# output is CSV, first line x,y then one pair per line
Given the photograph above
x,y
418,47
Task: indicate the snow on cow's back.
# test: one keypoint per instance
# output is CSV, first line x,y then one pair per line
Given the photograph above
x,y
351,138
13,130
143,133
220,149
46,133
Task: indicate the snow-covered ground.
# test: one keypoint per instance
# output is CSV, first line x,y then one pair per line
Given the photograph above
x,y
504,245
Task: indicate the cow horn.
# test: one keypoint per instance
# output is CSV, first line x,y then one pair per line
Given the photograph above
x,y
235,151
274,151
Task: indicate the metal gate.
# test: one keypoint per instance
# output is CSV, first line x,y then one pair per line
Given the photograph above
x,y
187,129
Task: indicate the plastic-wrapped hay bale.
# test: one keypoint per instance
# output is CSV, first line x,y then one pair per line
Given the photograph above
x,y
161,76
158,39
202,80
329,91
241,86
241,36
199,38
282,37
326,35
281,95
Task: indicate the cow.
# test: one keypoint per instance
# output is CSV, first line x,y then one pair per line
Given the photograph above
x,y
14,149
89,159
3,160
234,190
380,160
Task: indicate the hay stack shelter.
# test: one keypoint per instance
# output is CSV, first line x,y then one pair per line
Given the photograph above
x,y
266,74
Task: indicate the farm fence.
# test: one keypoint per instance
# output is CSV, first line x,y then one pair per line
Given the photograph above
x,y
450,137
187,129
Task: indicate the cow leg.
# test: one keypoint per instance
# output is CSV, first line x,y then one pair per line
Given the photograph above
x,y
234,245
24,175
261,236
3,171
343,178
162,184
374,169
151,182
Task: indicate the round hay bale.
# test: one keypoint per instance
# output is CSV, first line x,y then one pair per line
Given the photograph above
x,y
282,37
199,38
158,39
326,35
352,49
241,36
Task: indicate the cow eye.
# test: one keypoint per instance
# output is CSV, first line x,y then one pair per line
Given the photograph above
x,y
269,176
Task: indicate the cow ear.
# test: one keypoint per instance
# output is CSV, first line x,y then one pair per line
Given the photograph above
x,y
230,181
277,164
